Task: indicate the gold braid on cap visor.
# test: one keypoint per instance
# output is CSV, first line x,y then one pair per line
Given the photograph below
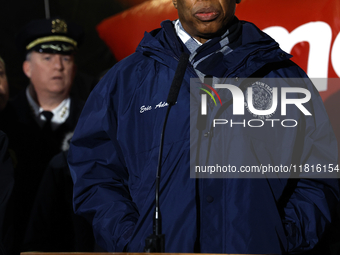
x,y
50,39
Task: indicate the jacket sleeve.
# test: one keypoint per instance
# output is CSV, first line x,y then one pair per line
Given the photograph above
x,y
310,208
99,173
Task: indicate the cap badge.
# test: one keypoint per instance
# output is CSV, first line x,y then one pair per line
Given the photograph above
x,y
59,26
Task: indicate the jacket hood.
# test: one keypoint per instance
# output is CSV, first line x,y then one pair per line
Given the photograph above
x,y
162,44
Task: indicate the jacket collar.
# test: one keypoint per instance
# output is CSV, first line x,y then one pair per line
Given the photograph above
x,y
257,48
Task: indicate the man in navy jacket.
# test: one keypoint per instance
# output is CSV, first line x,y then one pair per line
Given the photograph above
x,y
114,151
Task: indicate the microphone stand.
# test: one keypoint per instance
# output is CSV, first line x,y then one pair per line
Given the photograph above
x,y
156,241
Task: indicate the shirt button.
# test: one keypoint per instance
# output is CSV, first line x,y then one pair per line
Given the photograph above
x,y
209,199
206,134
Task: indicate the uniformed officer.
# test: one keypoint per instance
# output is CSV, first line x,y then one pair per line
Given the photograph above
x,y
39,117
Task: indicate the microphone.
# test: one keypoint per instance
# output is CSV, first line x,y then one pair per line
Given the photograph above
x,y
178,78
156,241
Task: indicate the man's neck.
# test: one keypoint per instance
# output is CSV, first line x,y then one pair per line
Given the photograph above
x,y
46,101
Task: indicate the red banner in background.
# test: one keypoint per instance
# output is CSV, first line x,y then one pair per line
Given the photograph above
x,y
131,3
309,30
123,32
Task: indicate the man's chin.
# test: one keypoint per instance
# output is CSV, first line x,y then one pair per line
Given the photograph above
x,y
58,88
211,30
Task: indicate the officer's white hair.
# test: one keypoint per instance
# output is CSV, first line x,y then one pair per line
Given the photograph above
x,y
28,56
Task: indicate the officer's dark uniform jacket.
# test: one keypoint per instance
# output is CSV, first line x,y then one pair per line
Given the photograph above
x,y
114,151
6,186
53,226
31,150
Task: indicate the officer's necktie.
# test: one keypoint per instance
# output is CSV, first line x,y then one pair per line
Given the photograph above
x,y
47,125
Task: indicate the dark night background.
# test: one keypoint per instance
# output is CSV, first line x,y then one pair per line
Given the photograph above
x,y
93,56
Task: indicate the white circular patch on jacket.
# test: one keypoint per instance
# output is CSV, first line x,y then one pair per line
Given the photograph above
x,y
262,99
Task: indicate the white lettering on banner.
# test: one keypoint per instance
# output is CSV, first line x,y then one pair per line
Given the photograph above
x,y
336,55
319,36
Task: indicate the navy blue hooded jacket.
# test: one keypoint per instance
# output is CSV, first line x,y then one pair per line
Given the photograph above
x,y
114,151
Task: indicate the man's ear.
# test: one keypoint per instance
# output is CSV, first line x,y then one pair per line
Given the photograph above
x,y
26,67
174,3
